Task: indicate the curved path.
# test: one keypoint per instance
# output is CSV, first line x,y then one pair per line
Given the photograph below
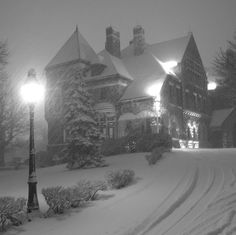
x,y
203,202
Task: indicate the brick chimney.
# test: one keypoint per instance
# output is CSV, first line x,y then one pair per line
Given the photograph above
x,y
138,40
112,41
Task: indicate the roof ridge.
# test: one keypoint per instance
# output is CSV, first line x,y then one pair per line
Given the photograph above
x,y
77,37
176,38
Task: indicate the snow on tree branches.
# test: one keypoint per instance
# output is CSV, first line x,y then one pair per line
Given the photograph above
x,y
82,134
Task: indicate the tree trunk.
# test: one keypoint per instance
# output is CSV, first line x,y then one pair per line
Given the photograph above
x,y
2,155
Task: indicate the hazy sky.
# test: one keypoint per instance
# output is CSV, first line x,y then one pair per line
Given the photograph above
x,y
36,29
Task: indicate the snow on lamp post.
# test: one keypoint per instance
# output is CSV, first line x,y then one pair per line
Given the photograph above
x,y
32,92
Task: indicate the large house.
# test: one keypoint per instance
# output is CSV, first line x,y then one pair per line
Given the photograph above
x,y
161,86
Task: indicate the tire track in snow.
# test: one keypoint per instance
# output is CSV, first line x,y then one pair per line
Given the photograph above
x,y
171,203
211,221
183,184
196,207
220,226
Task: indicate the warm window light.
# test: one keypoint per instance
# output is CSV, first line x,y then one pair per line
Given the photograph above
x,y
211,86
154,90
32,91
167,66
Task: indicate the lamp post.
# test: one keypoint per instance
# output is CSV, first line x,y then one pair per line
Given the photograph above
x,y
32,92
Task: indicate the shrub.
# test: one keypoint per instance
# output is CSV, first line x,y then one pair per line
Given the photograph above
x,y
119,178
12,211
57,199
95,187
175,143
113,146
79,155
89,189
148,142
136,142
155,155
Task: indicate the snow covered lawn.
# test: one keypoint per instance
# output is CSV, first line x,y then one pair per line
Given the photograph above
x,y
188,192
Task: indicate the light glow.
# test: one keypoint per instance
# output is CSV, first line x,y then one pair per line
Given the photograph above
x,y
155,90
167,66
211,86
32,92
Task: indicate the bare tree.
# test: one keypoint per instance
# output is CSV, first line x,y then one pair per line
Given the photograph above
x,y
11,112
225,67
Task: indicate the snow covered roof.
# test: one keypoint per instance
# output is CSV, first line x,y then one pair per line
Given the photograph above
x,y
219,116
114,65
76,47
145,69
164,51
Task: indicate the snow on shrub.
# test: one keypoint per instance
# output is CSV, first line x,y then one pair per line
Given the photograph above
x,y
12,212
89,189
119,178
59,199
155,155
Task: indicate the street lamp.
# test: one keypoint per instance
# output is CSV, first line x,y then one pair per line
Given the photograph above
x,y
32,92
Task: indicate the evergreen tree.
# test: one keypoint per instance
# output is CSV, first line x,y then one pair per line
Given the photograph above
x,y
82,134
225,67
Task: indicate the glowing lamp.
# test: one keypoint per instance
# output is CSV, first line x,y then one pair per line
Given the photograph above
x,y
169,66
211,86
32,91
154,90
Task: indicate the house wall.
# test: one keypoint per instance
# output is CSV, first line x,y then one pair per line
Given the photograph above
x,y
229,130
195,96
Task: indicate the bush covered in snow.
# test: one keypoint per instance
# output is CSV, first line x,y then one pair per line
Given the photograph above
x,y
114,146
148,142
136,142
119,178
89,189
155,155
82,155
59,198
12,212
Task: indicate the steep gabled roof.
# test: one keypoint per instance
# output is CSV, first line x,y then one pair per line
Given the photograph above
x,y
219,116
114,65
168,50
76,47
146,70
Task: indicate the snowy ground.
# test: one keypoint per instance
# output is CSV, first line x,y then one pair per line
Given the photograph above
x,y
188,192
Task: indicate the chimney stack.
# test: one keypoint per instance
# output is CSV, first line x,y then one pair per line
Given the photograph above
x,y
138,40
112,41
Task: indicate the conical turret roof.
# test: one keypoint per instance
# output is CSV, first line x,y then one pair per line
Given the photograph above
x,y
76,47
